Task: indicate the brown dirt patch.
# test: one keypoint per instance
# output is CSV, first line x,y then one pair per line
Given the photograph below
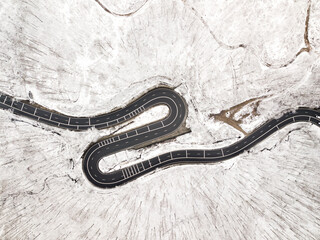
x,y
228,115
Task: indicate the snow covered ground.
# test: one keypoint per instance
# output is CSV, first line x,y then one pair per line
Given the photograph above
x,y
77,58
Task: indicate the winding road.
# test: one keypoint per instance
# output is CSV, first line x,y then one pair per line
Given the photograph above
x,y
147,134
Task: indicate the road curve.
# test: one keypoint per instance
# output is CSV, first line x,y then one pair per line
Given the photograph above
x,y
148,133
52,118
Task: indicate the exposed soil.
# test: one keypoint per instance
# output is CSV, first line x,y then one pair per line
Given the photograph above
x,y
228,115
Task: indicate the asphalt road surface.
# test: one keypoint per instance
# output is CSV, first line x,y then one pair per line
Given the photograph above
x,y
148,133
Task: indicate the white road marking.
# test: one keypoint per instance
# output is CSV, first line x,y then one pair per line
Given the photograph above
x,y
133,169
127,172
124,175
222,152
137,168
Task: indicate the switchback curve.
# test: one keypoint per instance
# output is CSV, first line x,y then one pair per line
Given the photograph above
x,y
148,133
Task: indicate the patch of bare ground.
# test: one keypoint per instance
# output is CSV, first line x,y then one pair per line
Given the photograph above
x,y
228,116
167,138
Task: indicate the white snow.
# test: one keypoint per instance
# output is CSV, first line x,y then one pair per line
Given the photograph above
x,y
76,58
